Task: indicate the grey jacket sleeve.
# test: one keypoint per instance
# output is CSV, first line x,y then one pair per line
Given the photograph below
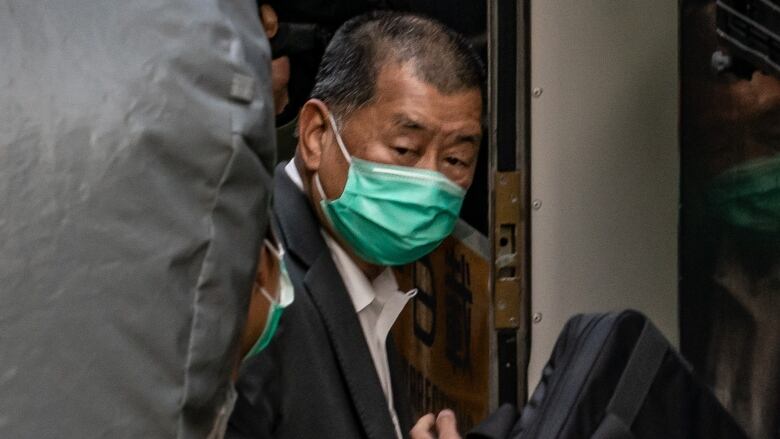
x,y
136,143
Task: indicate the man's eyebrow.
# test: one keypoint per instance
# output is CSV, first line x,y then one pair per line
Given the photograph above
x,y
405,121
470,138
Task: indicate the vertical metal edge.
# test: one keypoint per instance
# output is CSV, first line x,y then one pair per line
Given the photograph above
x,y
492,10
518,332
524,166
522,333
508,290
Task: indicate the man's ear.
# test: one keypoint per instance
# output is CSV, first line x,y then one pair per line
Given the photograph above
x,y
312,129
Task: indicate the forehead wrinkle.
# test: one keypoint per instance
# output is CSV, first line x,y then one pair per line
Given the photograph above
x,y
431,124
406,101
469,138
406,121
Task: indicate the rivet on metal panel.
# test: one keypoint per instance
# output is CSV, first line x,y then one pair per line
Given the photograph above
x,y
537,317
537,92
536,204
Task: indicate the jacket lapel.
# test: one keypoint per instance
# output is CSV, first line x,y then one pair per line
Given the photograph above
x,y
346,335
295,220
300,231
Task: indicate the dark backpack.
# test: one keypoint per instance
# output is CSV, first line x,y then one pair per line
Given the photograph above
x,y
614,376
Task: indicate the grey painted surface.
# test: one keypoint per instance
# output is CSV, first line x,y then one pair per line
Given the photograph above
x,y
604,159
136,141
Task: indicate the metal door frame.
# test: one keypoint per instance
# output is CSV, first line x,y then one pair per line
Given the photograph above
x,y
509,161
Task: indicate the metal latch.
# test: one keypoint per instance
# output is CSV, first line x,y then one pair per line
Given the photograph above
x,y
507,231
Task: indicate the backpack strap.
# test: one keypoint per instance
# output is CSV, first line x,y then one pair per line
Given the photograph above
x,y
642,367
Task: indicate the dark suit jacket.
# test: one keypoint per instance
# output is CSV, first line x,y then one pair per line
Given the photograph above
x,y
316,379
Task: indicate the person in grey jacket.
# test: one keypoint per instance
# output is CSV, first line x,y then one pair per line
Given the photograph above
x,y
136,146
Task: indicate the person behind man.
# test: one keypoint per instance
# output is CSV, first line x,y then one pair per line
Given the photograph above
x,y
387,148
272,292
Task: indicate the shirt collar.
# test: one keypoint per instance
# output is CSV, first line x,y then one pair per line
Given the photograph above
x,y
293,173
360,289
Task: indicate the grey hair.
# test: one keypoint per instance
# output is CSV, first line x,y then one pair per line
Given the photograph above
x,y
438,55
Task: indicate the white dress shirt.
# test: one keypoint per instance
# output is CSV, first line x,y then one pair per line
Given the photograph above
x,y
377,303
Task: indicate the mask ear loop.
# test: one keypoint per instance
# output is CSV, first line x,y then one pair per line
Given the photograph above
x,y
344,152
319,186
339,140
268,296
278,254
285,286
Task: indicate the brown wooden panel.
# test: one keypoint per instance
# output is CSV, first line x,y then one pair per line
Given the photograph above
x,y
444,334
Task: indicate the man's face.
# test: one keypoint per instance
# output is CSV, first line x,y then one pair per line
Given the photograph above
x,y
409,123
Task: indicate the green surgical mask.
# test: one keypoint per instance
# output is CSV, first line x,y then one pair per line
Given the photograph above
x,y
391,215
748,196
285,298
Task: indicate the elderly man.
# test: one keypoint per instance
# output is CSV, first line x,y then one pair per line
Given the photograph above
x,y
387,148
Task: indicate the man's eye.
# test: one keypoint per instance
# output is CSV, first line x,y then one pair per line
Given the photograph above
x,y
400,150
454,161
